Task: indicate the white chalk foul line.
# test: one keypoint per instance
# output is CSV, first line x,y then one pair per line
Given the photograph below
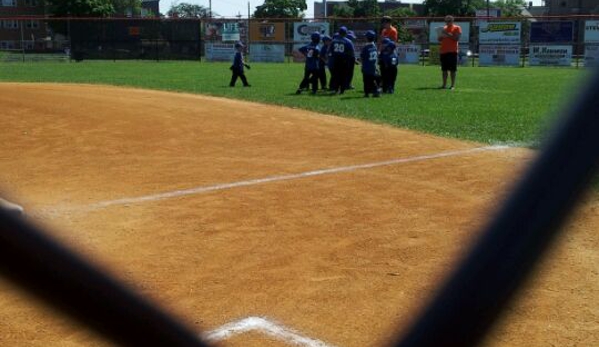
x,y
205,189
263,326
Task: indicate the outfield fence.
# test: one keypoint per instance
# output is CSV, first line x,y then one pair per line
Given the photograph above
x,y
520,41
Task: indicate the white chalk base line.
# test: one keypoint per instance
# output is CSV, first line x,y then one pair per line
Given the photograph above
x,y
205,189
265,327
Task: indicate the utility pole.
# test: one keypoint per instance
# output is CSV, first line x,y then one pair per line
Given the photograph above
x,y
210,8
324,4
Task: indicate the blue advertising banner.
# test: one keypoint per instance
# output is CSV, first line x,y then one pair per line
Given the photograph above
x,y
551,32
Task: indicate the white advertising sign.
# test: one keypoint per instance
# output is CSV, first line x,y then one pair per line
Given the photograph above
x,y
499,55
550,55
591,31
499,32
267,53
408,54
591,55
433,31
302,30
219,52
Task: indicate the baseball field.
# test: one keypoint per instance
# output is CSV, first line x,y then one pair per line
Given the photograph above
x,y
262,218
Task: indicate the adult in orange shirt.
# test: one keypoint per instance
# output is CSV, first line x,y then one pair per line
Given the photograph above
x,y
389,31
449,38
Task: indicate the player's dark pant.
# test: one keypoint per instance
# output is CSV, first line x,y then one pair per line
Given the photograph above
x,y
322,76
449,61
370,84
351,67
238,73
389,76
310,78
339,74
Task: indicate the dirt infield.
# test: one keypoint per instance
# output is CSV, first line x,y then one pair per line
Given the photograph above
x,y
332,229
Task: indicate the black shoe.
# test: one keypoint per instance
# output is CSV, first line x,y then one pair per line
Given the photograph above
x,y
366,95
298,92
377,95
247,85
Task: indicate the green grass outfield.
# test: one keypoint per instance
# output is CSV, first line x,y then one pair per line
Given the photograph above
x,y
490,105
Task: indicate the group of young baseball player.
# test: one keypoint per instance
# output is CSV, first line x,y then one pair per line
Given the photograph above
x,y
379,64
337,53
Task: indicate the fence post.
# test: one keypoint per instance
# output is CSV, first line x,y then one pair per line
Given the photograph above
x,y
22,41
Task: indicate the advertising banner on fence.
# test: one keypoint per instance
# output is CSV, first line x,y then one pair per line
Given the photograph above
x,y
226,31
408,54
260,31
591,55
499,55
303,30
499,33
550,55
551,32
591,31
219,51
267,53
432,34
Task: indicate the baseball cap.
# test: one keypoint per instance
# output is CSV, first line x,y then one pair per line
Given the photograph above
x,y
386,41
315,36
370,34
239,44
343,30
326,38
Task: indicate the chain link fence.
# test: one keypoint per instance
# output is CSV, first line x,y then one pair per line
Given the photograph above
x,y
521,41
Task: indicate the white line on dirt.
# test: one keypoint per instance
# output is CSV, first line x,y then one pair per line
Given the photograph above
x,y
205,189
263,326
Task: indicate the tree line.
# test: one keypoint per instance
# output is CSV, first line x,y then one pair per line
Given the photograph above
x,y
282,8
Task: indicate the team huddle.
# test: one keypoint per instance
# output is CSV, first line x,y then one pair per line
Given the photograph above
x,y
379,68
379,63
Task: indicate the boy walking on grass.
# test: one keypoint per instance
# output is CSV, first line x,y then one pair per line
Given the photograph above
x,y
238,65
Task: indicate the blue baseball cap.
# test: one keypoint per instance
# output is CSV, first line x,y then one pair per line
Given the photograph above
x,y
315,36
386,41
371,35
343,30
351,37
326,38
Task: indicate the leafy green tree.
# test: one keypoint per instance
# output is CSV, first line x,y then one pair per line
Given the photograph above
x,y
365,8
343,11
509,8
81,8
441,8
186,10
123,7
281,9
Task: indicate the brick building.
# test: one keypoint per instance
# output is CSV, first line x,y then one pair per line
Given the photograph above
x,y
29,29
572,7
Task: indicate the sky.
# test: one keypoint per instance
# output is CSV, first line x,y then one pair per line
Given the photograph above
x,y
231,8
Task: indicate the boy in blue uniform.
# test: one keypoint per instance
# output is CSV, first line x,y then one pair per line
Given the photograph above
x,y
342,55
369,58
389,62
311,69
238,65
324,55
